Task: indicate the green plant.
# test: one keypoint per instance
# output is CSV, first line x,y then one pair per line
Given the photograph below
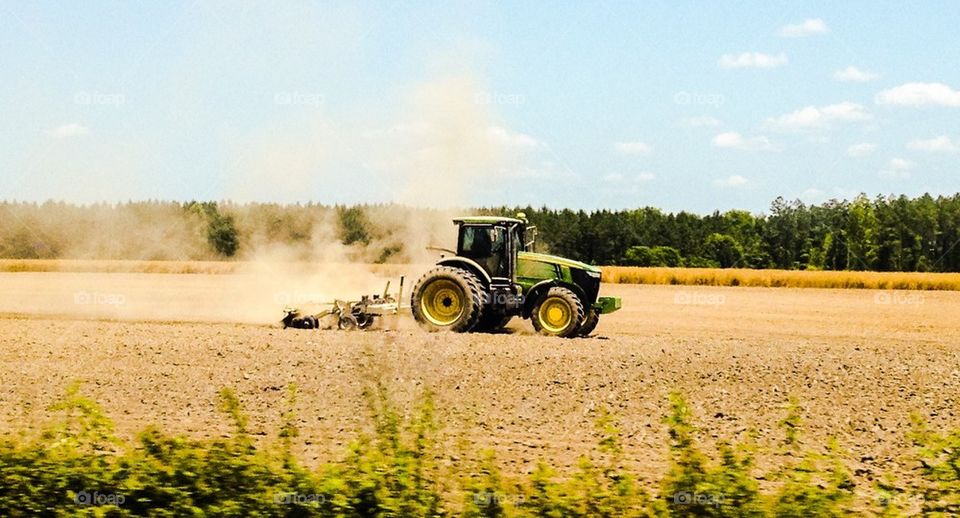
x,y
392,472
940,465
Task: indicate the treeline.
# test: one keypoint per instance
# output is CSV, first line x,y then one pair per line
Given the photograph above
x,y
881,234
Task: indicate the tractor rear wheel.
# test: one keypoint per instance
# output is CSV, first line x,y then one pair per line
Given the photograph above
x,y
589,323
447,299
558,313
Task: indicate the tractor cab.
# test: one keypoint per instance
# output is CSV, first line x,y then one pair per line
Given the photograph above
x,y
493,243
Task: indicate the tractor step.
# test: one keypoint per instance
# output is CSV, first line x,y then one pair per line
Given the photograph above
x,y
608,304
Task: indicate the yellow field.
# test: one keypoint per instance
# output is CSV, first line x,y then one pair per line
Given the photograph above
x,y
782,278
611,274
196,267
113,266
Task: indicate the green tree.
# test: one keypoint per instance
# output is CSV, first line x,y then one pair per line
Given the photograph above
x,y
353,225
723,249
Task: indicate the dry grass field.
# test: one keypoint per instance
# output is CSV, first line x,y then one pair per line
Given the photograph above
x,y
155,349
782,278
611,274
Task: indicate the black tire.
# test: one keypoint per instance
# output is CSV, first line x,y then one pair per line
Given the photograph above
x,y
311,322
432,301
364,320
491,322
589,323
347,322
565,300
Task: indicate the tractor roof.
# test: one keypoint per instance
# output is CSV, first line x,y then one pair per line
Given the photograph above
x,y
486,220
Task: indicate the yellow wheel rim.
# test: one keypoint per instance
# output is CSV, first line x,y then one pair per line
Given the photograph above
x,y
555,315
442,302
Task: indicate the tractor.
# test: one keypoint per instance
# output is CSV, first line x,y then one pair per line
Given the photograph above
x,y
495,274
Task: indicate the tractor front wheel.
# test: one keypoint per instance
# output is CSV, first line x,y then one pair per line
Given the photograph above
x,y
589,323
447,299
558,313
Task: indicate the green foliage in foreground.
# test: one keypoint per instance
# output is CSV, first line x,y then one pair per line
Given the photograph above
x,y
77,467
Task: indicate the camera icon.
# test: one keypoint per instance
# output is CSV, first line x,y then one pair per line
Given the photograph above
x,y
484,498
683,498
81,297
282,297
83,498
884,298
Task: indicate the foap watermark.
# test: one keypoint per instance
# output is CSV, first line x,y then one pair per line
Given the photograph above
x,y
684,98
495,499
698,499
503,298
899,500
87,298
498,98
311,99
99,99
898,298
86,497
299,499
294,298
693,298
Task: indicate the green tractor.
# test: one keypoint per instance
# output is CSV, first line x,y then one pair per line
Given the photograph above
x,y
495,275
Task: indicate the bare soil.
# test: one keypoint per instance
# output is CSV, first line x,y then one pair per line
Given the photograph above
x,y
859,361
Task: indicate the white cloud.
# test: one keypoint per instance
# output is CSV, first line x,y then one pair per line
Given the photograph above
x,y
704,121
512,138
752,60
862,149
898,168
734,140
808,27
853,74
69,130
634,148
730,181
417,128
812,195
920,94
424,130
941,144
542,169
642,177
811,117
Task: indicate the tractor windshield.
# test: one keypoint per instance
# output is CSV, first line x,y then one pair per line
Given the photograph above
x,y
486,245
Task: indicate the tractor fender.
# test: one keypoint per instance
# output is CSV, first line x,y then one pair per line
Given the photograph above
x,y
534,293
467,264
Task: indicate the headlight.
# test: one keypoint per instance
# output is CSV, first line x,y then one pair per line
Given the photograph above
x,y
595,275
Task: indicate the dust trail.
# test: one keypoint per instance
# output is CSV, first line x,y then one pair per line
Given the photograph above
x,y
442,147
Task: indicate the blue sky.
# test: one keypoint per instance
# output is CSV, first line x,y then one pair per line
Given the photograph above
x,y
680,105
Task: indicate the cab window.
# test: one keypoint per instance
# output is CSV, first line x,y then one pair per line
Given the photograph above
x,y
479,242
487,246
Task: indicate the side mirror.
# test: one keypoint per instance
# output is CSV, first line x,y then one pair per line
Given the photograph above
x,y
532,232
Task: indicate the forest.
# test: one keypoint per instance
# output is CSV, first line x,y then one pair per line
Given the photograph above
x,y
886,233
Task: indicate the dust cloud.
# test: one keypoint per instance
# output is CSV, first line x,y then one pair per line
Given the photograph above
x,y
443,146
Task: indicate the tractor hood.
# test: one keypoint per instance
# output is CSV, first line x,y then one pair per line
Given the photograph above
x,y
563,261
